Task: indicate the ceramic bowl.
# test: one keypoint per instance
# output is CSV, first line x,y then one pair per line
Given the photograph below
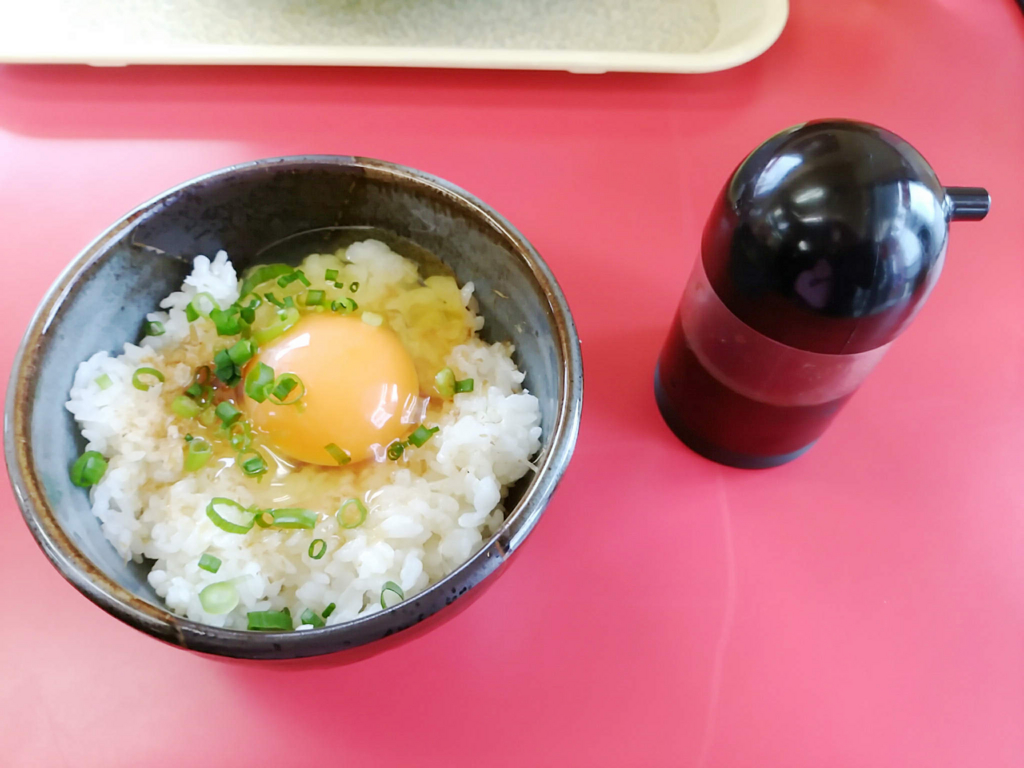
x,y
249,210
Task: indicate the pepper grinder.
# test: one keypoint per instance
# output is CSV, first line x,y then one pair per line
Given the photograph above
x,y
819,252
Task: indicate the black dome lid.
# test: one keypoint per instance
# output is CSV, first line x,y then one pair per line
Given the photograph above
x,y
830,235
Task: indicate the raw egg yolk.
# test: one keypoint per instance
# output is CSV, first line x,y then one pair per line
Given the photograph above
x,y
359,381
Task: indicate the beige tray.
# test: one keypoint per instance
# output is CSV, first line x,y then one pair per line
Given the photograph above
x,y
574,35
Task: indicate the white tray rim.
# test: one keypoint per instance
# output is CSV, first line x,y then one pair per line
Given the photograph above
x,y
772,22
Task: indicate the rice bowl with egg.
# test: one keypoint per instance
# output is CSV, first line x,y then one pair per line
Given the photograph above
x,y
427,510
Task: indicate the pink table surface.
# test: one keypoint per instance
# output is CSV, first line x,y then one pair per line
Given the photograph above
x,y
862,606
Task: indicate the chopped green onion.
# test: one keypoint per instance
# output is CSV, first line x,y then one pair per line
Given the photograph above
x,y
258,382
88,469
329,610
288,302
241,352
227,413
226,321
186,407
103,381
284,385
372,318
189,438
286,320
269,621
315,298
197,454
248,313
207,417
239,512
240,435
395,450
444,382
137,381
309,617
285,280
190,314
294,518
317,549
464,385
344,304
262,274
264,518
154,328
390,586
219,598
196,305
331,275
351,514
421,434
209,563
338,454
274,300
194,390
253,466
302,277
226,370
354,287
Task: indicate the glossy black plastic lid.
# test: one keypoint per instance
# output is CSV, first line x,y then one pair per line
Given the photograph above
x,y
831,234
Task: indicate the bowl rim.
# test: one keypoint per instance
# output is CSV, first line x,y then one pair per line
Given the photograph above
x,y
159,621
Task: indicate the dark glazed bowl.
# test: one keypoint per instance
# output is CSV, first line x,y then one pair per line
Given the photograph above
x,y
99,303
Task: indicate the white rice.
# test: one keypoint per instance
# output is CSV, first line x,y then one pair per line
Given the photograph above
x,y
419,528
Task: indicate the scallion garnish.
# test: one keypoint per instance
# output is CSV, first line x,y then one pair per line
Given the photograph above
x,y
338,454
226,321
302,277
269,621
194,391
209,563
137,381
203,304
264,518
240,435
219,598
315,298
186,407
309,617
444,382
286,319
274,300
154,328
197,454
372,318
395,450
329,610
240,513
317,549
284,389
464,385
227,413
390,586
241,352
285,280
351,514
190,314
331,275
344,304
294,518
354,287
225,368
258,382
88,469
103,381
252,463
207,417
421,434
263,274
